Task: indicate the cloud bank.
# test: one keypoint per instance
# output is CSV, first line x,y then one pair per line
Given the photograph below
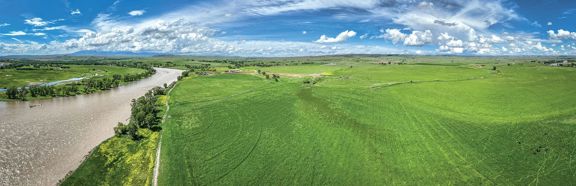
x,y
447,27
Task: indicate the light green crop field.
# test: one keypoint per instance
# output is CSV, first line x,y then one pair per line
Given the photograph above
x,y
13,77
374,124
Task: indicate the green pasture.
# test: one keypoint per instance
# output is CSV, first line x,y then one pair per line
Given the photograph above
x,y
301,69
458,123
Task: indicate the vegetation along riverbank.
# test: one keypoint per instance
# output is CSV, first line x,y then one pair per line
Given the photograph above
x,y
128,157
26,81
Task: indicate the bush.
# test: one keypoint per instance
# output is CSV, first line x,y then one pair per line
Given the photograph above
x,y
120,129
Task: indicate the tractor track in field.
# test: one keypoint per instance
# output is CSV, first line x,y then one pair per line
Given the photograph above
x,y
432,132
391,84
243,160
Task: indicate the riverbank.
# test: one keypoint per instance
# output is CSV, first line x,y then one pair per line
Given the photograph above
x,y
53,138
76,86
118,161
42,74
125,159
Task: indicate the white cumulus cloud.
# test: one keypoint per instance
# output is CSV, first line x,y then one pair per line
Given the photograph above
x,y
338,39
561,34
136,12
541,47
395,35
75,12
416,38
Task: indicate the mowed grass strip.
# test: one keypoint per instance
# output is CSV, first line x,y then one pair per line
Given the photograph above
x,y
439,124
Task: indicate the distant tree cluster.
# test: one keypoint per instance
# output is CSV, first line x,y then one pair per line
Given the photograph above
x,y
275,77
184,74
402,62
558,62
36,91
239,63
134,77
36,66
16,93
12,66
31,64
202,69
164,65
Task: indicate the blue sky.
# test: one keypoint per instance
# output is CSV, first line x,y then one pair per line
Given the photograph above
x,y
289,27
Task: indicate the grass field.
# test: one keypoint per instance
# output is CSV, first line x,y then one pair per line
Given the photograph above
x,y
301,69
118,161
447,123
18,78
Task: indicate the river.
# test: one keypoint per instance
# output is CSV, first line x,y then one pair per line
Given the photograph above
x,y
41,141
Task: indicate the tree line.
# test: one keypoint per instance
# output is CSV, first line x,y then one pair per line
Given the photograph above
x,y
145,112
25,63
275,77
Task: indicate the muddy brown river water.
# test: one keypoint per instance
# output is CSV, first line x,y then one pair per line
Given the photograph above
x,y
40,145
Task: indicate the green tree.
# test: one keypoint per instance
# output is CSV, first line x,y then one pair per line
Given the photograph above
x,y
22,92
12,93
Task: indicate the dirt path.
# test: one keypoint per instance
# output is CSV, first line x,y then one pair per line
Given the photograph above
x,y
298,75
158,150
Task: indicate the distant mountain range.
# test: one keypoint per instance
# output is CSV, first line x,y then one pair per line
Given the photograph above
x,y
107,53
90,53
93,53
